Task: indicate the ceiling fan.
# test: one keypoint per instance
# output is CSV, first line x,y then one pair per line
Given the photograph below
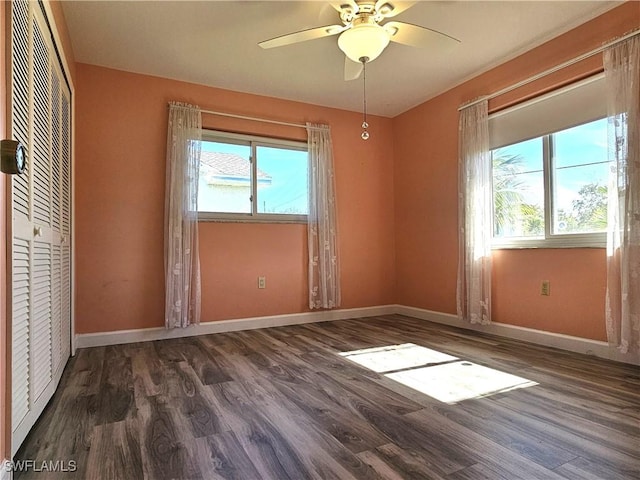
x,y
362,36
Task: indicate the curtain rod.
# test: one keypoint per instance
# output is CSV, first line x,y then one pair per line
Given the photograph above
x,y
255,119
551,70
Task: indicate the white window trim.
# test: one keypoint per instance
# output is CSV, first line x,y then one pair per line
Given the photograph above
x,y
254,142
551,240
571,240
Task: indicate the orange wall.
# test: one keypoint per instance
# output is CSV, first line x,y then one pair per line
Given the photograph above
x,y
426,155
577,278
121,122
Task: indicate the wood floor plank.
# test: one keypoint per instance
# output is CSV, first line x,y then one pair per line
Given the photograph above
x,y
499,427
383,469
582,469
64,432
193,403
270,451
283,402
613,414
385,397
558,442
321,453
116,393
583,390
208,370
169,350
482,451
87,368
355,434
623,437
481,471
163,442
228,407
411,463
147,366
115,451
396,427
222,456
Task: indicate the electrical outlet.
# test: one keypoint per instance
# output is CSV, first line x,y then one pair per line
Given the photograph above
x,y
262,282
545,288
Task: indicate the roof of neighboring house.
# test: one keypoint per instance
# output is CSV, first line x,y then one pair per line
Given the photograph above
x,y
229,165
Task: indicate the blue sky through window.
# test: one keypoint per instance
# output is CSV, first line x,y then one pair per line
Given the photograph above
x,y
287,191
580,159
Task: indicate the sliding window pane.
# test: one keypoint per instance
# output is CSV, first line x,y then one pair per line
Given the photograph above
x,y
282,180
518,190
225,178
580,179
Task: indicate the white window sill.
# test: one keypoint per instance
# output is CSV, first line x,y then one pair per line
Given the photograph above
x,y
248,218
592,240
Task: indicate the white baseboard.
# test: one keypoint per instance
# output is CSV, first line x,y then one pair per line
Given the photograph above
x,y
549,339
147,334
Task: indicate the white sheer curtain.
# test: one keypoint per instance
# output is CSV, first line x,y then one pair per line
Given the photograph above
x,y
324,268
622,81
474,215
181,260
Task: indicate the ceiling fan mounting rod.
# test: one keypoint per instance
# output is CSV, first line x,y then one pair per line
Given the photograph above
x,y
366,7
364,19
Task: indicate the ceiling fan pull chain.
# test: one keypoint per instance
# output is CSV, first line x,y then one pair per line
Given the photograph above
x,y
365,125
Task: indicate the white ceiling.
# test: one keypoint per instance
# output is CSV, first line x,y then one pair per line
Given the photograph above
x,y
215,43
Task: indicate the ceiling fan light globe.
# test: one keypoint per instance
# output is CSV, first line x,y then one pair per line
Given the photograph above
x,y
364,40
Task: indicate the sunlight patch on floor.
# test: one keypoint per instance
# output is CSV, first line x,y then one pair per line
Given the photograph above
x,y
396,357
454,382
439,375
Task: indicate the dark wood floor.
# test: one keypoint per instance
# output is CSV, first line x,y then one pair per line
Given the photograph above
x,y
283,403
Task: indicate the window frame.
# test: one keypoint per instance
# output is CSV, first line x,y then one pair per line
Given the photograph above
x,y
550,239
253,142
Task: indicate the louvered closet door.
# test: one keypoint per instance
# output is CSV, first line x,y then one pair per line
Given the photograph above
x,y
41,219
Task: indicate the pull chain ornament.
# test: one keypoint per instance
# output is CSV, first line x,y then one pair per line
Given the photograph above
x,y
365,124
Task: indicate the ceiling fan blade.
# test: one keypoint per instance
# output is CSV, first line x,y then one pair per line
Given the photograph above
x,y
352,70
417,36
390,8
303,36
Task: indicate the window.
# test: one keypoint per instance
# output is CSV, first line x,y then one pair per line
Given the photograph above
x,y
247,178
552,190
550,169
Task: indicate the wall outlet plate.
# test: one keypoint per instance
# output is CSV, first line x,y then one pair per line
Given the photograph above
x,y
262,282
545,288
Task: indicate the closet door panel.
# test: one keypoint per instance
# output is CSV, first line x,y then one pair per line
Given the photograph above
x,y
21,375
41,319
66,166
41,145
56,307
56,166
65,221
40,263
56,220
20,79
65,303
21,215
